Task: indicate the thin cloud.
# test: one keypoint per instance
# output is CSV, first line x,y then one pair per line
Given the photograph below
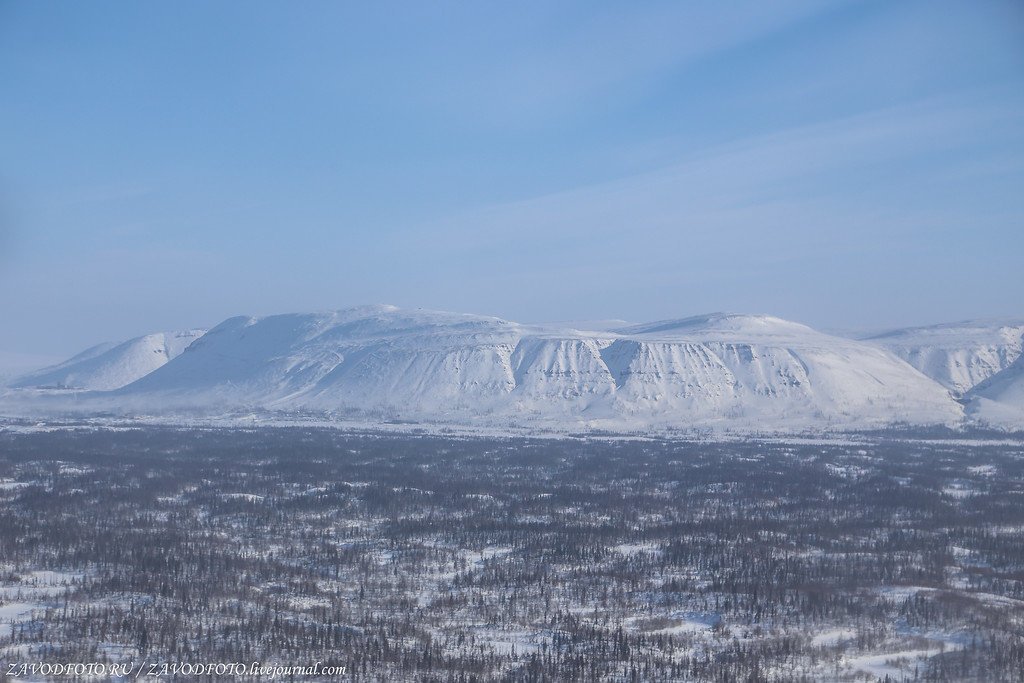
x,y
767,177
602,53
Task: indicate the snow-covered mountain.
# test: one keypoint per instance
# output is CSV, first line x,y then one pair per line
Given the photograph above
x,y
379,361
999,400
957,355
112,365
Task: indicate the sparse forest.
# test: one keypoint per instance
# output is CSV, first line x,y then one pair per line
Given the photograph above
x,y
441,558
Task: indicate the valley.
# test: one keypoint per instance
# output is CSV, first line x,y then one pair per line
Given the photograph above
x,y
434,557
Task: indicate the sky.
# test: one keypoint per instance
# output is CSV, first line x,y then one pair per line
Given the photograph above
x,y
848,164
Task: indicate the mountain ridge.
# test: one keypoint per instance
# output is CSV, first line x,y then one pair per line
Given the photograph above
x,y
723,369
958,355
443,366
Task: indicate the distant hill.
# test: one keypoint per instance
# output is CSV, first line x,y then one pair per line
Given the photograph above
x,y
111,365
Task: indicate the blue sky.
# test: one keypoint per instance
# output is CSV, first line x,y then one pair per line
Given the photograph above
x,y
845,164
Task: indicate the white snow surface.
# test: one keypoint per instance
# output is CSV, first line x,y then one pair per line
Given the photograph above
x,y
382,362
112,365
957,355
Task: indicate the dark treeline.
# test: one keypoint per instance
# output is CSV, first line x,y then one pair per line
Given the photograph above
x,y
413,557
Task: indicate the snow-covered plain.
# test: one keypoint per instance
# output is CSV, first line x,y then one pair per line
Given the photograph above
x,y
32,591
385,364
704,560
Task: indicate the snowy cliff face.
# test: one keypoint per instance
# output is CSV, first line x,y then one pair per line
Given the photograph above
x,y
750,368
957,355
718,369
111,366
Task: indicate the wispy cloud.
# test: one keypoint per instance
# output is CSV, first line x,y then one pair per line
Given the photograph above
x,y
763,176
863,187
596,54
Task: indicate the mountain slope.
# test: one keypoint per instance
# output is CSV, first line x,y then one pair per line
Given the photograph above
x,y
999,400
384,361
112,365
760,367
957,355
